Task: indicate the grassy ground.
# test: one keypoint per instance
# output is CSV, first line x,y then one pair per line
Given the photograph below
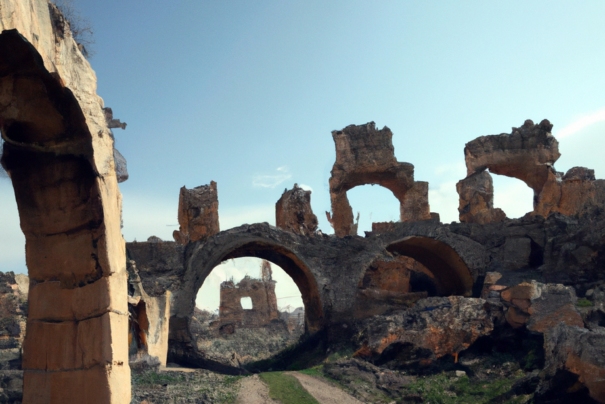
x,y
286,389
176,388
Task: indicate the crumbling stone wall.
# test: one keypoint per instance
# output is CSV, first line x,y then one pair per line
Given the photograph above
x,y
529,154
293,212
365,155
58,152
198,213
264,303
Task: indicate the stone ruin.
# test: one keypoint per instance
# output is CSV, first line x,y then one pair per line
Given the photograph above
x,y
406,283
264,302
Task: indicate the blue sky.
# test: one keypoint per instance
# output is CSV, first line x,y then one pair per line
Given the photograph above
x,y
247,94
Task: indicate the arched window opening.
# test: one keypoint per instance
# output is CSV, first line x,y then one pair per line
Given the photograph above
x,y
247,309
373,204
513,196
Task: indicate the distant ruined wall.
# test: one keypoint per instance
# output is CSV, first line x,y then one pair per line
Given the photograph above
x,y
58,152
264,303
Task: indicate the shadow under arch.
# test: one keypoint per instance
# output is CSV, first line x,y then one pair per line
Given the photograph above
x,y
451,273
281,256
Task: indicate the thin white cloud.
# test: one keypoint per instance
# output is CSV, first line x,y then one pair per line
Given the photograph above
x,y
233,217
457,170
306,187
443,199
581,123
272,181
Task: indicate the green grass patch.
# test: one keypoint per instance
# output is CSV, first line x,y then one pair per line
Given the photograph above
x,y
314,371
445,390
286,389
155,378
584,302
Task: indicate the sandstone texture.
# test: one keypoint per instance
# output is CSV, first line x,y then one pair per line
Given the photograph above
x,y
13,318
58,152
365,155
198,213
476,199
575,357
439,325
293,212
529,154
264,303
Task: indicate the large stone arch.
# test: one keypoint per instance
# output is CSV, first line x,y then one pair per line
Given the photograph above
x,y
365,155
203,256
278,254
452,275
58,152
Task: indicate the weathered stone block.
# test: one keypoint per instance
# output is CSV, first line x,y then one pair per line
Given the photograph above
x,y
293,212
48,301
98,385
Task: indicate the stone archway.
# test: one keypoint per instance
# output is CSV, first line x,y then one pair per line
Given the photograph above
x,y
365,155
451,275
202,259
58,153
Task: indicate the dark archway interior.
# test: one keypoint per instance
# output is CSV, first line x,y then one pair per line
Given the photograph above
x,y
452,275
294,267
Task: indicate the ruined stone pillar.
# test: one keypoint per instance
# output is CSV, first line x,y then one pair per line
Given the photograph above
x,y
476,199
293,212
198,213
58,152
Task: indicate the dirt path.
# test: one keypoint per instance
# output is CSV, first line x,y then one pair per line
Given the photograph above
x,y
324,392
253,391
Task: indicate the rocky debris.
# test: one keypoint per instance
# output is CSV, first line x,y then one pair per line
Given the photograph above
x,y
243,345
535,305
367,381
13,318
198,213
575,361
293,212
433,327
477,199
365,155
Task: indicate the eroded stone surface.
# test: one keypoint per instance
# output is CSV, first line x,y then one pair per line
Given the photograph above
x,y
477,199
58,152
365,155
578,351
198,213
293,212
442,325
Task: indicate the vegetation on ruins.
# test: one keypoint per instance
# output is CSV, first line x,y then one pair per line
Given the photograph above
x,y
81,27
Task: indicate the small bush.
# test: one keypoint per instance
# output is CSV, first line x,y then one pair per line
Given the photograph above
x,y
584,302
81,27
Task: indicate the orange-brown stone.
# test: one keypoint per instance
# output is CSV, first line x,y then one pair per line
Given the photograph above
x,y
198,213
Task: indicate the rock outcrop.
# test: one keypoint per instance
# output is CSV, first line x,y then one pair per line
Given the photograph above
x,y
293,212
58,152
575,358
365,155
198,214
13,318
438,325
